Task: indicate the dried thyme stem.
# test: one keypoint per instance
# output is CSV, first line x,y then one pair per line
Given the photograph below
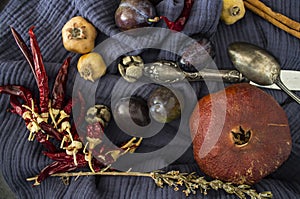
x,y
290,26
174,179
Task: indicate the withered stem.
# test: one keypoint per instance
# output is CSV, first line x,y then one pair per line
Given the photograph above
x,y
174,179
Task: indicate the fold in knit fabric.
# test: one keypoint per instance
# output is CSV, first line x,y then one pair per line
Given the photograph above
x,y
21,159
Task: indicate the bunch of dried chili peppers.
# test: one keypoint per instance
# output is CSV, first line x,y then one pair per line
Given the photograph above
x,y
49,119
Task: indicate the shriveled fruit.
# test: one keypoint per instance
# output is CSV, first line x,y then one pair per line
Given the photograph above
x,y
232,11
134,14
91,66
198,55
98,113
163,105
79,35
130,113
131,68
252,141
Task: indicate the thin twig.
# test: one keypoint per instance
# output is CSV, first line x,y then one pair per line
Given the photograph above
x,y
290,26
283,19
174,179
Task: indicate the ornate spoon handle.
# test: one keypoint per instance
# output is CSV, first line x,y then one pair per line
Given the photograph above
x,y
230,76
170,72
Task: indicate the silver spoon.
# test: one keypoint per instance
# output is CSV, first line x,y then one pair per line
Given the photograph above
x,y
257,65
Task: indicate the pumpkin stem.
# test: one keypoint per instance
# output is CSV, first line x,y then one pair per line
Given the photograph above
x,y
241,137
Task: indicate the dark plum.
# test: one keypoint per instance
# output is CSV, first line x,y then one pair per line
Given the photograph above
x,y
134,14
197,55
163,105
131,112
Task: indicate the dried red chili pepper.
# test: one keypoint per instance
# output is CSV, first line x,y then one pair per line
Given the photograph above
x,y
64,163
25,50
43,139
77,101
179,23
59,156
40,72
94,136
81,102
61,166
68,107
50,130
58,91
16,106
18,91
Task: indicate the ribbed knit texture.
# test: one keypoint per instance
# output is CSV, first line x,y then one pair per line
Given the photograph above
x,y
21,159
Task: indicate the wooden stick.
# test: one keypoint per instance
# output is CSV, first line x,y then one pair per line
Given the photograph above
x,y
275,21
278,16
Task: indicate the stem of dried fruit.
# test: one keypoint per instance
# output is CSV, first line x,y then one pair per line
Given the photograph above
x,y
281,21
174,179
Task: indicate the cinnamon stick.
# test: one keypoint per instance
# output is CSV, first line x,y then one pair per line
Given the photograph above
x,y
290,26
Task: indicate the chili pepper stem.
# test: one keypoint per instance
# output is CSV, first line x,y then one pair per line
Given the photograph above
x,y
88,156
62,116
38,117
53,113
154,20
129,143
74,157
63,141
89,159
31,136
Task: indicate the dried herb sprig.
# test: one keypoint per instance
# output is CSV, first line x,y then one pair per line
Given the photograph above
x,y
190,181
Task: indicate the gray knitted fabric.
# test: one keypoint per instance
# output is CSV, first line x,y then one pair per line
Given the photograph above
x,y
21,159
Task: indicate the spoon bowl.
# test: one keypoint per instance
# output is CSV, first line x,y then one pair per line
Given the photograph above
x,y
257,65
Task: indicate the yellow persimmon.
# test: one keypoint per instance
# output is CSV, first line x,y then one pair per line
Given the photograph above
x,y
79,35
91,66
232,11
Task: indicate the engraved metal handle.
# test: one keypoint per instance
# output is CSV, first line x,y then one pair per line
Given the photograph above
x,y
230,76
170,72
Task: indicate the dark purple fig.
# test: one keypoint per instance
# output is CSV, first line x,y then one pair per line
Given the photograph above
x,y
197,55
134,14
130,113
163,105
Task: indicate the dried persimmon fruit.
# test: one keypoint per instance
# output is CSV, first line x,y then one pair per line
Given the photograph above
x,y
240,134
78,35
